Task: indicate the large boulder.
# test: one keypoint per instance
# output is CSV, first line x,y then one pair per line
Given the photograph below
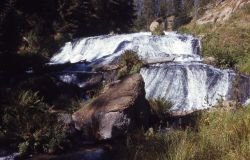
x,y
119,109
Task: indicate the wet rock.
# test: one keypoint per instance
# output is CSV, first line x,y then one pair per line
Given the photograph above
x,y
121,108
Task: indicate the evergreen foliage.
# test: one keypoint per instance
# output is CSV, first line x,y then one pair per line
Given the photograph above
x,y
39,27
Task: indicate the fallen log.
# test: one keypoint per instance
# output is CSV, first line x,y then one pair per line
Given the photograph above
x,y
158,60
112,67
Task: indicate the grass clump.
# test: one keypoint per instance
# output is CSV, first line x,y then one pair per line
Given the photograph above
x,y
160,107
27,122
220,134
131,63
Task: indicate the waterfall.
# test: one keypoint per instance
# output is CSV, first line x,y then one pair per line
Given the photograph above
x,y
104,49
189,86
186,82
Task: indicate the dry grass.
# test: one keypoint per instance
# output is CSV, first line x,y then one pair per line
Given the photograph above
x,y
220,135
229,42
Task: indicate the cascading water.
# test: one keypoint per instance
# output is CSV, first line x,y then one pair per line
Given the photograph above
x,y
186,82
106,48
189,86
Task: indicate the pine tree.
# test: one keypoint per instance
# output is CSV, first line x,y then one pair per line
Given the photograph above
x,y
163,8
147,15
74,17
178,7
122,15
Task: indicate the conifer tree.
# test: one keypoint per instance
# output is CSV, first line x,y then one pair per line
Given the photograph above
x,y
75,16
122,15
147,15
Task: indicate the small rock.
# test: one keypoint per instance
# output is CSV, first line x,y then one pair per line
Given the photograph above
x,y
157,26
210,60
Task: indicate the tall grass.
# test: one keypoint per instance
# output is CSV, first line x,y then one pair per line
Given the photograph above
x,y
160,107
220,135
228,43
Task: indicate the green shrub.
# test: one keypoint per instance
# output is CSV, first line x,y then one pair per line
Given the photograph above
x,y
23,148
244,66
42,45
160,107
27,120
130,62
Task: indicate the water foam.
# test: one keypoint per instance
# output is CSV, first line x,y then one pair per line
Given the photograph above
x,y
186,82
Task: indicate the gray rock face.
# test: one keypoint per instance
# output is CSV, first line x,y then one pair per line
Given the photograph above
x,y
222,11
118,110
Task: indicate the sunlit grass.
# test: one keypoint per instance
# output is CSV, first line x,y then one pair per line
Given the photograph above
x,y
228,43
219,134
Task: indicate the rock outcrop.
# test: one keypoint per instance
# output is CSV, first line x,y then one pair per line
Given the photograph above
x,y
118,110
222,11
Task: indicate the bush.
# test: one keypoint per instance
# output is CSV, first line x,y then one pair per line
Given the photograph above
x,y
160,107
244,66
130,62
23,148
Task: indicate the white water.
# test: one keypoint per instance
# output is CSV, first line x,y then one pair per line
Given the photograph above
x,y
189,86
186,82
106,48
